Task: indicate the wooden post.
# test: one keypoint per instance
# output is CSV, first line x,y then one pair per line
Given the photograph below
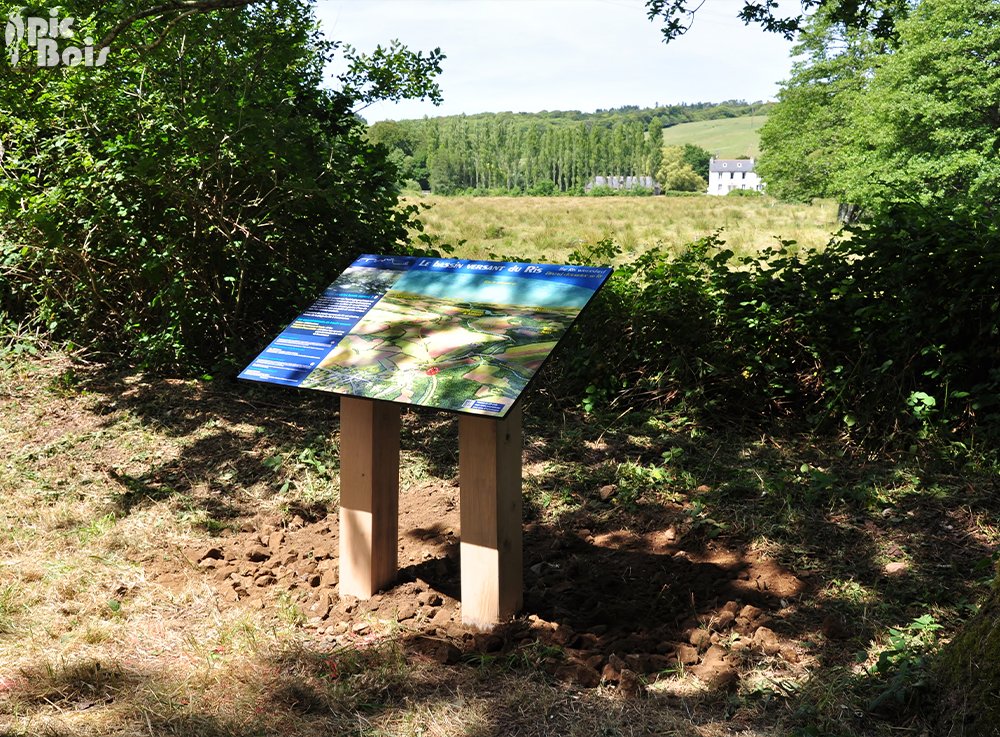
x,y
489,458
369,495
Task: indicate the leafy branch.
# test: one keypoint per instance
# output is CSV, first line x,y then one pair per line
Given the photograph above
x,y
879,16
394,73
175,11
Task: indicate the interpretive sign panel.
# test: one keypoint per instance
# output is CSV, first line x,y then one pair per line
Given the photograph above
x,y
466,336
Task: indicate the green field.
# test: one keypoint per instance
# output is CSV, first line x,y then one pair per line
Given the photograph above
x,y
550,228
727,138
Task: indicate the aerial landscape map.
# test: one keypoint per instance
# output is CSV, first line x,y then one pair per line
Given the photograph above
x,y
465,336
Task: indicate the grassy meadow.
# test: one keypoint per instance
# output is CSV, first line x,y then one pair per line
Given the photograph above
x,y
728,138
551,228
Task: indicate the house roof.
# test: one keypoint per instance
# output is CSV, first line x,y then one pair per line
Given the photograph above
x,y
730,165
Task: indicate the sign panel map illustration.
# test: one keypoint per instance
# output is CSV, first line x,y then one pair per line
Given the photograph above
x,y
459,335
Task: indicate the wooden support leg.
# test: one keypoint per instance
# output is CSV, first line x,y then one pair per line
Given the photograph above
x,y
489,457
369,495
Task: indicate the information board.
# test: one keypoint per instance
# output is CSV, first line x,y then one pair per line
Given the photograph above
x,y
465,336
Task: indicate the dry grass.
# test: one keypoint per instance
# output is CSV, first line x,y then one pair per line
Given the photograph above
x,y
107,628
552,227
94,640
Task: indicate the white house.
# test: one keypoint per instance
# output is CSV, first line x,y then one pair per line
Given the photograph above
x,y
725,175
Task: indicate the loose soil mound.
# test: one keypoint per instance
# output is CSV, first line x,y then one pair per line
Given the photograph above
x,y
611,601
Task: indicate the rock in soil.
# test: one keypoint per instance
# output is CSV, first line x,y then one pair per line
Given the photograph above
x,y
407,610
209,553
686,655
716,670
723,620
790,654
257,553
487,642
330,578
833,627
630,685
700,638
265,579
441,651
766,641
579,674
732,607
430,598
441,617
321,609
613,669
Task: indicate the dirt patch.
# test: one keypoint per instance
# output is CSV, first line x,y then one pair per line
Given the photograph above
x,y
610,606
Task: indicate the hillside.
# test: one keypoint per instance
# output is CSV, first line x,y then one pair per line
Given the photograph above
x,y
727,138
666,115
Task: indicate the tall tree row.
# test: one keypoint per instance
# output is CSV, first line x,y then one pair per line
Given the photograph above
x,y
505,154
538,153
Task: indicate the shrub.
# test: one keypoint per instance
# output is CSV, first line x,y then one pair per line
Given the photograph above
x,y
605,191
172,207
543,189
894,328
601,191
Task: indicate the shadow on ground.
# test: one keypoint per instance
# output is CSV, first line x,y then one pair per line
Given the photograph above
x,y
762,564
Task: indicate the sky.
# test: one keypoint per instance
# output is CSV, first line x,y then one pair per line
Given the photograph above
x,y
532,55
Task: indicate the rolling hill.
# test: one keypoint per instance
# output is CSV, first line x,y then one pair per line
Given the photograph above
x,y
726,138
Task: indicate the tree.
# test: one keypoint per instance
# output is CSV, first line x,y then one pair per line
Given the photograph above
x,y
921,133
676,174
698,158
405,150
878,15
157,15
391,73
874,122
968,673
174,205
929,119
808,139
540,153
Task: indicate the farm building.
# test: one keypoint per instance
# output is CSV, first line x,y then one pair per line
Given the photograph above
x,y
619,182
725,175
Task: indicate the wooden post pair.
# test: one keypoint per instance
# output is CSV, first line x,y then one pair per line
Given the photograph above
x,y
489,497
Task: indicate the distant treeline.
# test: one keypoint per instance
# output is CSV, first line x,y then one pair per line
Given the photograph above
x,y
538,153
